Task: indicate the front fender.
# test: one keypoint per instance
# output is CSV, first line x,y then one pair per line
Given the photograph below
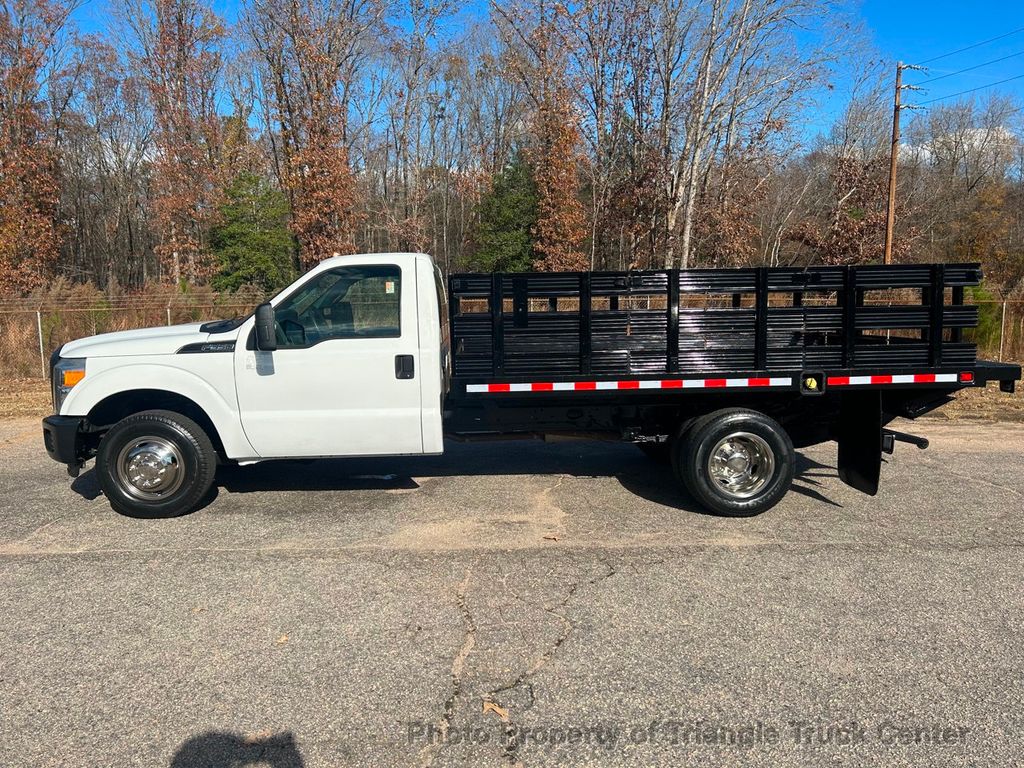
x,y
218,403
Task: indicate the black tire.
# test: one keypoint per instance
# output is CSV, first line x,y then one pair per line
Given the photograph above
x,y
183,446
657,452
677,444
766,447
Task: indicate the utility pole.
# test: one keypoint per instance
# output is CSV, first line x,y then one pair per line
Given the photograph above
x,y
897,106
890,213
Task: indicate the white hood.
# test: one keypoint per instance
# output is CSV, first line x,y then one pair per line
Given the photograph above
x,y
163,340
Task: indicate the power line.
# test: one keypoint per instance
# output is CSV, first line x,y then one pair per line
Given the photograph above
x,y
970,47
971,90
970,69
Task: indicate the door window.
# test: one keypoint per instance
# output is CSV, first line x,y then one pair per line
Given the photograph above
x,y
342,303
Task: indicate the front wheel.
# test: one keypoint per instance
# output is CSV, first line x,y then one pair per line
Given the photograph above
x,y
155,464
736,462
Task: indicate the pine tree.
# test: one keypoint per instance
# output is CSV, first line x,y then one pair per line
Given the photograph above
x,y
252,242
507,216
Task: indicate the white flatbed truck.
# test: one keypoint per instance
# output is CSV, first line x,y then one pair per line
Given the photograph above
x,y
723,372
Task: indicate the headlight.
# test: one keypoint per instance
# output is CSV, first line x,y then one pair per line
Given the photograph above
x,y
66,373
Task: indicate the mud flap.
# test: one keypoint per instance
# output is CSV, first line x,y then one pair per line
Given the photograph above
x,y
860,440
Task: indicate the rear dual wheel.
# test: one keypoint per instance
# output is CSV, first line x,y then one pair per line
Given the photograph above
x,y
735,462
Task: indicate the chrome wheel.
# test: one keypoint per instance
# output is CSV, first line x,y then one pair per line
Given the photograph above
x,y
149,468
741,465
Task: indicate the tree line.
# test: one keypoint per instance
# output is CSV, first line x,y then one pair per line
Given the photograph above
x,y
175,146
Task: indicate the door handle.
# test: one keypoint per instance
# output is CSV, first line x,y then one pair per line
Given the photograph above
x,y
405,366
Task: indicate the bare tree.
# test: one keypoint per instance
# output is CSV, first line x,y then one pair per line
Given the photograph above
x,y
537,57
175,46
314,54
105,166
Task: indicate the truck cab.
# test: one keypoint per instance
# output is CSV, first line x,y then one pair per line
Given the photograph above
x,y
355,364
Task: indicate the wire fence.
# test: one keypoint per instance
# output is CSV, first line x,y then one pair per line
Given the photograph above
x,y
29,334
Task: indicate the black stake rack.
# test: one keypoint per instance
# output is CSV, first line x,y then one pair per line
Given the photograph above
x,y
605,324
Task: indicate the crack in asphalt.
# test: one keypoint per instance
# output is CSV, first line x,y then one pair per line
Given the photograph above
x,y
510,749
429,752
976,479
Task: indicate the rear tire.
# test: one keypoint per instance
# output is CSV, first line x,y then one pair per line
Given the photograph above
x,y
735,462
155,464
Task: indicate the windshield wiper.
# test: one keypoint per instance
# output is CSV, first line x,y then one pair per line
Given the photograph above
x,y
221,326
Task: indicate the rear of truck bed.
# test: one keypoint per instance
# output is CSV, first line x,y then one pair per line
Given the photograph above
x,y
827,352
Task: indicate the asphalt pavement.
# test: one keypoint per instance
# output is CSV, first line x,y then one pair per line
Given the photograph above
x,y
517,603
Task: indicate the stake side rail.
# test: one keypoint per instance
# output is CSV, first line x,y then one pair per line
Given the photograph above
x,y
778,329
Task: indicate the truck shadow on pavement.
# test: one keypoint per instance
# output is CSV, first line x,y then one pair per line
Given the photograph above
x,y
216,749
807,480
636,473
87,486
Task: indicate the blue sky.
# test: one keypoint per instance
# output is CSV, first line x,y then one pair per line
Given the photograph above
x,y
914,30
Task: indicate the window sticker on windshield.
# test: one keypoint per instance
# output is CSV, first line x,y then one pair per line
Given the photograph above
x,y
389,286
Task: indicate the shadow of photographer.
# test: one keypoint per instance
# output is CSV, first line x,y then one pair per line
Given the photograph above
x,y
217,749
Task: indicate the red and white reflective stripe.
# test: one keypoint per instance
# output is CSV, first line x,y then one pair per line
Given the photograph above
x,y
895,378
595,386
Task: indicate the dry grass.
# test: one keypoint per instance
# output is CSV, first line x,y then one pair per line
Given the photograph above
x,y
988,404
22,398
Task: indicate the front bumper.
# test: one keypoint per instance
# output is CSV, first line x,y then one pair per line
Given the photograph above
x,y
62,437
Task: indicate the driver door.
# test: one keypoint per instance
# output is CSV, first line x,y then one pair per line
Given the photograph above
x,y
344,380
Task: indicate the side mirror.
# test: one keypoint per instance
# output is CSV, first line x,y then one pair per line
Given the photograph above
x,y
266,335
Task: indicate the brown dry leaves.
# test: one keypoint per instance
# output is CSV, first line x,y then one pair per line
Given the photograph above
x,y
28,180
180,65
561,221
